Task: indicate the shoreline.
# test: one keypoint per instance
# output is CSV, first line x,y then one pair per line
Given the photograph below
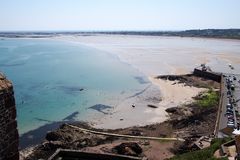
x,y
170,95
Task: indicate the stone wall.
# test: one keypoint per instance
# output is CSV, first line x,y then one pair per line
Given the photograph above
x,y
210,75
9,137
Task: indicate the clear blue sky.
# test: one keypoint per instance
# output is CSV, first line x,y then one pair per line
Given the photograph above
x,y
44,15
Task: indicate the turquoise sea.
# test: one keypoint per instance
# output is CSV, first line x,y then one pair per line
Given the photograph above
x,y
54,80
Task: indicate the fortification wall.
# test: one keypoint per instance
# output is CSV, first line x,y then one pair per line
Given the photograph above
x,y
210,75
8,124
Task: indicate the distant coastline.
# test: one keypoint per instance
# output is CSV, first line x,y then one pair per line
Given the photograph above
x,y
203,33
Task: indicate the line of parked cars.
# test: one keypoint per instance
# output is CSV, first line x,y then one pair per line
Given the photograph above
x,y
230,107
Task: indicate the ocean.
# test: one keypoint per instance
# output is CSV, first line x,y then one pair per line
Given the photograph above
x,y
62,81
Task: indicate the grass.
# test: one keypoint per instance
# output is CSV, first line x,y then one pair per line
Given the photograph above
x,y
209,99
204,154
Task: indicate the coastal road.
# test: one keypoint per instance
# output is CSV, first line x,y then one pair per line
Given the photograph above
x,y
225,96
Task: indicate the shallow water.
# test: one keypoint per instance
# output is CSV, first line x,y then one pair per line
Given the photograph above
x,y
54,80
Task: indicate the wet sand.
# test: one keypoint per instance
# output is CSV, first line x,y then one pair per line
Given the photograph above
x,y
156,55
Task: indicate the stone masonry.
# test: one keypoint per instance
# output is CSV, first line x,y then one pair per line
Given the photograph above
x,y
9,137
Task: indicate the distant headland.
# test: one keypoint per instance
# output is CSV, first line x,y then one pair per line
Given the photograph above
x,y
205,33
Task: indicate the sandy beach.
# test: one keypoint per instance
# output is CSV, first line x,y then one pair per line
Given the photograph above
x,y
154,56
124,115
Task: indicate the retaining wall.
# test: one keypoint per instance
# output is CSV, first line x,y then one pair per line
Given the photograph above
x,y
210,75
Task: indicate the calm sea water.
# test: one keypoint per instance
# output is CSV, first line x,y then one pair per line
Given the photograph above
x,y
54,79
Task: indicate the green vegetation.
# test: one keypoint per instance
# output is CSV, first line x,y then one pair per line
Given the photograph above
x,y
209,99
204,154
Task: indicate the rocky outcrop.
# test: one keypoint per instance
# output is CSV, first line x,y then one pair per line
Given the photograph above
x,y
130,149
191,80
68,138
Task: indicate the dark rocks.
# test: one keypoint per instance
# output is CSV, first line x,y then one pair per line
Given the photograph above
x,y
130,149
190,80
72,138
70,88
52,145
53,136
152,106
136,132
84,143
180,78
184,111
171,110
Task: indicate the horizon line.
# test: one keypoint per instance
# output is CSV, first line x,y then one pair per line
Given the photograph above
x,y
44,31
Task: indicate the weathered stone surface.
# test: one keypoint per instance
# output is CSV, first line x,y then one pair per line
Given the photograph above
x,y
8,124
71,139
53,136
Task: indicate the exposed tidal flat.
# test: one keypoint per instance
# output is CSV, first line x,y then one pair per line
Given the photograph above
x,y
154,55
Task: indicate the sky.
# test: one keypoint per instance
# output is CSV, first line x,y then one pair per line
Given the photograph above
x,y
118,15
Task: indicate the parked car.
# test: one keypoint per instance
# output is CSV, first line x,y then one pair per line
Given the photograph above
x,y
229,106
230,100
230,122
231,125
227,80
228,86
229,93
230,116
229,111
